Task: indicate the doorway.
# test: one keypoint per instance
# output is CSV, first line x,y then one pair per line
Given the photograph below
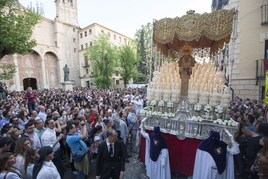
x,y
29,82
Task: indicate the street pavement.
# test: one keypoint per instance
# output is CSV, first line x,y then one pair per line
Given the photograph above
x,y
134,169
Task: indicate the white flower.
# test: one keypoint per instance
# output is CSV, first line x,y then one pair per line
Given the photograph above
x,y
234,123
161,103
207,108
197,107
153,102
170,114
219,109
200,119
170,104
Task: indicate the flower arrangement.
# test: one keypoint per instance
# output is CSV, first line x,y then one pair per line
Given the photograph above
x,y
153,103
170,104
207,108
226,122
196,119
156,113
161,103
197,107
219,109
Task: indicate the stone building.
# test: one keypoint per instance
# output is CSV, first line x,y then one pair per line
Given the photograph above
x,y
60,42
248,48
87,36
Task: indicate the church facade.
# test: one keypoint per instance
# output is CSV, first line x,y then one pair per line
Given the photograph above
x,y
59,43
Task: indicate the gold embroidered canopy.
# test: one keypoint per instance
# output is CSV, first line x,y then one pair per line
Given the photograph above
x,y
197,30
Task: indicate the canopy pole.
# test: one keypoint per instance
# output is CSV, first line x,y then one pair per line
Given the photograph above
x,y
151,58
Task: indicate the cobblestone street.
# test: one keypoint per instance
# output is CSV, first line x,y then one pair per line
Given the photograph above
x,y
134,170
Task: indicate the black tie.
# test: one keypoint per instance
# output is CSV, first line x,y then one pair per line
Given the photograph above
x,y
111,150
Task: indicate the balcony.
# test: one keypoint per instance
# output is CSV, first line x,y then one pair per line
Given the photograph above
x,y
260,69
264,14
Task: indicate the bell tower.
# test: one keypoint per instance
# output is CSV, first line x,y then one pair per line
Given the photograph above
x,y
66,12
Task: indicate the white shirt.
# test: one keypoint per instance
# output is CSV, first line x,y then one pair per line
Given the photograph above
x,y
96,138
48,171
9,175
19,165
42,116
35,139
48,138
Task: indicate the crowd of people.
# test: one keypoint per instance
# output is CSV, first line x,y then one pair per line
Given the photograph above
x,y
252,137
45,131
42,128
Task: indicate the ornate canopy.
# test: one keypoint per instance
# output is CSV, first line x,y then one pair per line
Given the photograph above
x,y
197,30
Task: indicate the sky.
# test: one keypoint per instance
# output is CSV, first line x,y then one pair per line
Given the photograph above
x,y
125,16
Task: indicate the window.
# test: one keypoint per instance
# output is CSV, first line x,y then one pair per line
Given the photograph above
x,y
90,44
86,61
73,39
114,37
81,35
86,45
74,50
90,31
82,47
120,39
125,40
85,33
117,82
266,49
73,29
109,34
87,71
88,84
102,31
56,44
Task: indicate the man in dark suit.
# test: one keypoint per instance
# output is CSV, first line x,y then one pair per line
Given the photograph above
x,y
110,157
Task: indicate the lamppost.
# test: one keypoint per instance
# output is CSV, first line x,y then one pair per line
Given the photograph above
x,y
106,70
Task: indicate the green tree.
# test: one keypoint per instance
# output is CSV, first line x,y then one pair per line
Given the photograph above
x,y
103,57
128,61
16,27
143,41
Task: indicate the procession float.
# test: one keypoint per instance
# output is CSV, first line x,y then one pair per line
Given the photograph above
x,y
188,95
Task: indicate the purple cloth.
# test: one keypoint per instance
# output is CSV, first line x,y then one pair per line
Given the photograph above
x,y
157,143
216,148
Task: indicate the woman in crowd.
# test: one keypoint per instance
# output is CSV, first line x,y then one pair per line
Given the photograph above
x,y
44,168
30,159
7,160
260,166
23,118
22,145
14,134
